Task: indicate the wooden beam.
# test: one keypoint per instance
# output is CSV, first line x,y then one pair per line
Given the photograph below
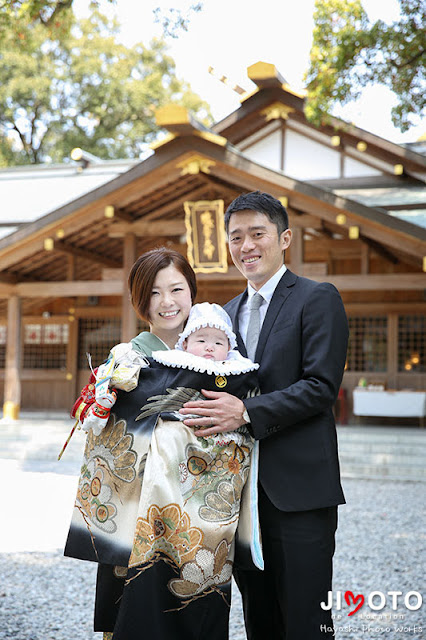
x,y
326,231
404,207
143,228
8,277
376,282
380,250
177,203
71,267
12,383
309,269
367,182
374,223
112,274
350,282
65,289
365,259
296,250
128,315
89,208
86,254
367,308
7,290
122,214
304,220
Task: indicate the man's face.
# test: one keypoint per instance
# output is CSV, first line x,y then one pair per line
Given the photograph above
x,y
256,249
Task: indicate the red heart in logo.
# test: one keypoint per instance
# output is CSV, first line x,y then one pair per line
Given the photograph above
x,y
348,596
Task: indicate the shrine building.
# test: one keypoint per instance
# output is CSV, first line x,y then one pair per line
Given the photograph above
x,y
70,233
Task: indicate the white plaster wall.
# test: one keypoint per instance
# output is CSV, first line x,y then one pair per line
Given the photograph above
x,y
306,159
267,151
353,168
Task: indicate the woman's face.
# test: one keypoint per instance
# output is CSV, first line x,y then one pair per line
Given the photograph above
x,y
170,303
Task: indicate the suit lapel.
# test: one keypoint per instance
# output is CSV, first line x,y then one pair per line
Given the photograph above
x,y
233,310
281,294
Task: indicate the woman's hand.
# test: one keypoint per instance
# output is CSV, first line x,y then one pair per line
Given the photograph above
x,y
222,412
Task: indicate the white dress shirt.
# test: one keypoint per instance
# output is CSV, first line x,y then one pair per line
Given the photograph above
x,y
266,291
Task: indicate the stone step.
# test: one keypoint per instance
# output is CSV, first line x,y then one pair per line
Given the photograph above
x,y
394,453
411,473
391,435
365,452
359,448
383,457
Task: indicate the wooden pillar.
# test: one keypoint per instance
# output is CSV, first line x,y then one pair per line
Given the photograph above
x,y
71,267
282,147
72,359
392,355
365,259
12,382
296,251
128,315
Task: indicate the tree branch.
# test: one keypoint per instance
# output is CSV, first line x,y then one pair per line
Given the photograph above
x,y
21,137
60,6
410,60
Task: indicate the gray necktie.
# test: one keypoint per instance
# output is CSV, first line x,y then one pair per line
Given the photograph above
x,y
253,328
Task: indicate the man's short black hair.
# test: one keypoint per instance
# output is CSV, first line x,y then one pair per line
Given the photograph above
x,y
263,203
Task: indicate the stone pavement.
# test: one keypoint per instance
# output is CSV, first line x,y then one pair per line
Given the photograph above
x,y
380,544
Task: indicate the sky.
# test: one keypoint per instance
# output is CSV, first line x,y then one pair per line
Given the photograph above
x,y
230,35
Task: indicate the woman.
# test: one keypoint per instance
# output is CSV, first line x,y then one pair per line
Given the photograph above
x,y
109,498
162,288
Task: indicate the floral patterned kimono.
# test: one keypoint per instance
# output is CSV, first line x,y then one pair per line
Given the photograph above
x,y
161,506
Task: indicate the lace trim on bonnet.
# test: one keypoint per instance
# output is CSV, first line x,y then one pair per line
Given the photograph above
x,y
233,365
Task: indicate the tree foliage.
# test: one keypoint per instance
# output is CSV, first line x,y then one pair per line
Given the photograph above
x,y
173,20
349,53
81,87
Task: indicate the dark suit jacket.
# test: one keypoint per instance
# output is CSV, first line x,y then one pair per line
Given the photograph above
x,y
301,352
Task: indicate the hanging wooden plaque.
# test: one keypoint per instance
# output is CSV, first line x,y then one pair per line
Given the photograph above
x,y
205,236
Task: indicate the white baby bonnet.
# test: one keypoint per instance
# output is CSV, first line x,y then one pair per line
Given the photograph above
x,y
206,314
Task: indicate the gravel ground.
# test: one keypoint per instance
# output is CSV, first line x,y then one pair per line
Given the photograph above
x,y
380,547
45,596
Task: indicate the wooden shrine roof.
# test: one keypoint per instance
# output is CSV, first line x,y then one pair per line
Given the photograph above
x,y
272,91
148,201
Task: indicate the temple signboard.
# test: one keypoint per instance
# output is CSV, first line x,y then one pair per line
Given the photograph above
x,y
205,236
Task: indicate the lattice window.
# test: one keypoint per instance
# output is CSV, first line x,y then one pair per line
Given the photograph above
x,y
412,344
97,336
45,346
3,336
367,349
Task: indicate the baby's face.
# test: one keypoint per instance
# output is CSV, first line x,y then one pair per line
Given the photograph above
x,y
208,342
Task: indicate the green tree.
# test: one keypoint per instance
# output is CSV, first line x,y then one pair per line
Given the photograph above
x,y
173,20
349,53
80,87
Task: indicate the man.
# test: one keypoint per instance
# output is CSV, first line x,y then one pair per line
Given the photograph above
x,y
301,349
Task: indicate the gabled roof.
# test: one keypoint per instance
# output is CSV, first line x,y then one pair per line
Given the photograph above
x,y
271,92
76,241
155,189
33,191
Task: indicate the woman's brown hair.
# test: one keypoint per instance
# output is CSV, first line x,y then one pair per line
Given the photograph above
x,y
144,271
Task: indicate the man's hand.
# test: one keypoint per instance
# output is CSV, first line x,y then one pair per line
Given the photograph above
x,y
223,412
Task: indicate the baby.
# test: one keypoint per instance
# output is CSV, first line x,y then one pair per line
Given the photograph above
x,y
208,335
208,342
150,490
